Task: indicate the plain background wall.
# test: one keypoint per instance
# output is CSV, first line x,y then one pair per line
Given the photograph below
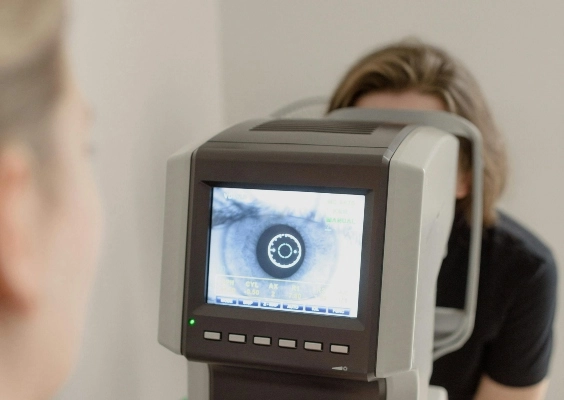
x,y
277,51
161,73
151,71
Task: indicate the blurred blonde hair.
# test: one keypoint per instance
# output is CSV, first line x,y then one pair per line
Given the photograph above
x,y
31,70
413,65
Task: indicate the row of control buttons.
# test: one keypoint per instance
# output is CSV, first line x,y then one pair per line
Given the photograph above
x,y
284,343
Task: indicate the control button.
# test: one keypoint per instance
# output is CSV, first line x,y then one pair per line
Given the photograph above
x,y
248,303
226,300
293,307
287,343
339,348
313,346
339,311
209,335
319,310
262,341
236,338
270,304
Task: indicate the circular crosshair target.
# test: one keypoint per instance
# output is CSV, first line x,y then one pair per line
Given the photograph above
x,y
280,251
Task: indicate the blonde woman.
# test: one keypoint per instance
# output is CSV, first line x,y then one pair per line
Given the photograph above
x,y
508,354
49,208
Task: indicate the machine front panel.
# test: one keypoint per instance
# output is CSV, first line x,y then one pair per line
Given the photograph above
x,y
321,214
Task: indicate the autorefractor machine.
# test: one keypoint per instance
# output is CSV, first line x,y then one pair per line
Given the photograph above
x,y
301,256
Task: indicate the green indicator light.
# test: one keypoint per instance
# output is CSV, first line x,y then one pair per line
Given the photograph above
x,y
192,322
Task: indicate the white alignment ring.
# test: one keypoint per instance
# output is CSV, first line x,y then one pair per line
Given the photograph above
x,y
284,245
271,247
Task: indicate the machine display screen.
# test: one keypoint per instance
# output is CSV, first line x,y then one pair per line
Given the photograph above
x,y
289,251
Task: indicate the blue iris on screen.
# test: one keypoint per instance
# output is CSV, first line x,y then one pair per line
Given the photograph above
x,y
280,251
264,240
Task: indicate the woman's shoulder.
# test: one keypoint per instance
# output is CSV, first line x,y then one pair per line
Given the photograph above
x,y
517,247
509,232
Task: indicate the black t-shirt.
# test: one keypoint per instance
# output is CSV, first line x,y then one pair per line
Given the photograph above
x,y
512,338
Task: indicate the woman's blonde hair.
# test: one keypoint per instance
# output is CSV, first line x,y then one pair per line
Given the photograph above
x,y
31,70
413,65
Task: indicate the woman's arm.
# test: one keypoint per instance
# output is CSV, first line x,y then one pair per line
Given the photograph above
x,y
491,390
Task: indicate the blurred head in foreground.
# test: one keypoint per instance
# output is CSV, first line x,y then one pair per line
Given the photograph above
x,y
49,208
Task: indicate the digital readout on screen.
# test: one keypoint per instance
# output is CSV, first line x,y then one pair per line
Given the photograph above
x,y
286,250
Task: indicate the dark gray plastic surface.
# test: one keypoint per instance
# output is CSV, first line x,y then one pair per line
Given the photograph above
x,y
289,160
382,136
228,383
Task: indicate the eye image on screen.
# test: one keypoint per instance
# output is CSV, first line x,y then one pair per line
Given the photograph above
x,y
286,250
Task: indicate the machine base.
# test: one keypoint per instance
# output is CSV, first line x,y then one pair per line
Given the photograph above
x,y
232,383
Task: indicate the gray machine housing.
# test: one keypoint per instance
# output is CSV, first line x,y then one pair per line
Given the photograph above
x,y
406,168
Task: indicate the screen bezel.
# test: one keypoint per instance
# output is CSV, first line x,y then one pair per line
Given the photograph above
x,y
357,323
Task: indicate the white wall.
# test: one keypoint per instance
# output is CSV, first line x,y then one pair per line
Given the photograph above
x,y
151,71
277,51
154,71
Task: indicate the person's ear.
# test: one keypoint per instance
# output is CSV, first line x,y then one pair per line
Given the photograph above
x,y
19,280
463,184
